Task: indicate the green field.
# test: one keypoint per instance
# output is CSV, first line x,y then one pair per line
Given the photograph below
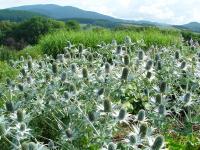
x,y
101,89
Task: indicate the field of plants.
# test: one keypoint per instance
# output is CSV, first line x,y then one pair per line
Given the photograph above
x,y
107,90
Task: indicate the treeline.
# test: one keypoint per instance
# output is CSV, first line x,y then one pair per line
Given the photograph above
x,y
18,35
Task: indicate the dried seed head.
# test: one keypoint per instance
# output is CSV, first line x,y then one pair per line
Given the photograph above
x,y
125,72
100,91
22,127
30,65
161,109
69,133
2,129
126,59
9,106
55,68
133,139
20,115
149,74
143,130
111,146
158,143
141,115
149,65
85,73
107,67
158,98
187,97
177,55
63,76
91,116
21,87
122,114
107,105
141,55
183,65
163,87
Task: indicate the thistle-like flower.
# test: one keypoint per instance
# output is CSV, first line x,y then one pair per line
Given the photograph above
x,y
141,55
20,115
126,59
149,65
107,105
122,114
125,73
141,115
158,143
9,106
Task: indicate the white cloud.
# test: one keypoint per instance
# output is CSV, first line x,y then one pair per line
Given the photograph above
x,y
166,11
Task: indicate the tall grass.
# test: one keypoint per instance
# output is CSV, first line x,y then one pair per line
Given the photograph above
x,y
54,43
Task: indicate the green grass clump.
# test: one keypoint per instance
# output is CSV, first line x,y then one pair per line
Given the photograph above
x,y
7,71
54,43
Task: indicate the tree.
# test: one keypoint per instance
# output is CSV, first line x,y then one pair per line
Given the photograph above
x,y
73,25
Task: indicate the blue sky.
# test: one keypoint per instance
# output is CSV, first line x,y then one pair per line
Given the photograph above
x,y
164,11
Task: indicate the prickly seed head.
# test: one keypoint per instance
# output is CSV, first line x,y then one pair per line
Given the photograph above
x,y
69,133
90,57
141,115
149,74
30,65
125,72
111,146
100,91
73,68
149,65
177,55
23,72
22,127
146,91
143,130
24,146
9,106
133,139
22,58
141,55
187,97
107,67
63,76
158,98
67,55
122,114
119,49
2,129
55,68
72,88
32,146
91,116
21,87
8,81
66,95
157,57
183,65
126,59
20,115
80,48
159,65
51,145
107,105
161,109
158,143
85,73
163,87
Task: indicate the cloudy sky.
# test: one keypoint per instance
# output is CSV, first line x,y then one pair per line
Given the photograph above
x,y
164,11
